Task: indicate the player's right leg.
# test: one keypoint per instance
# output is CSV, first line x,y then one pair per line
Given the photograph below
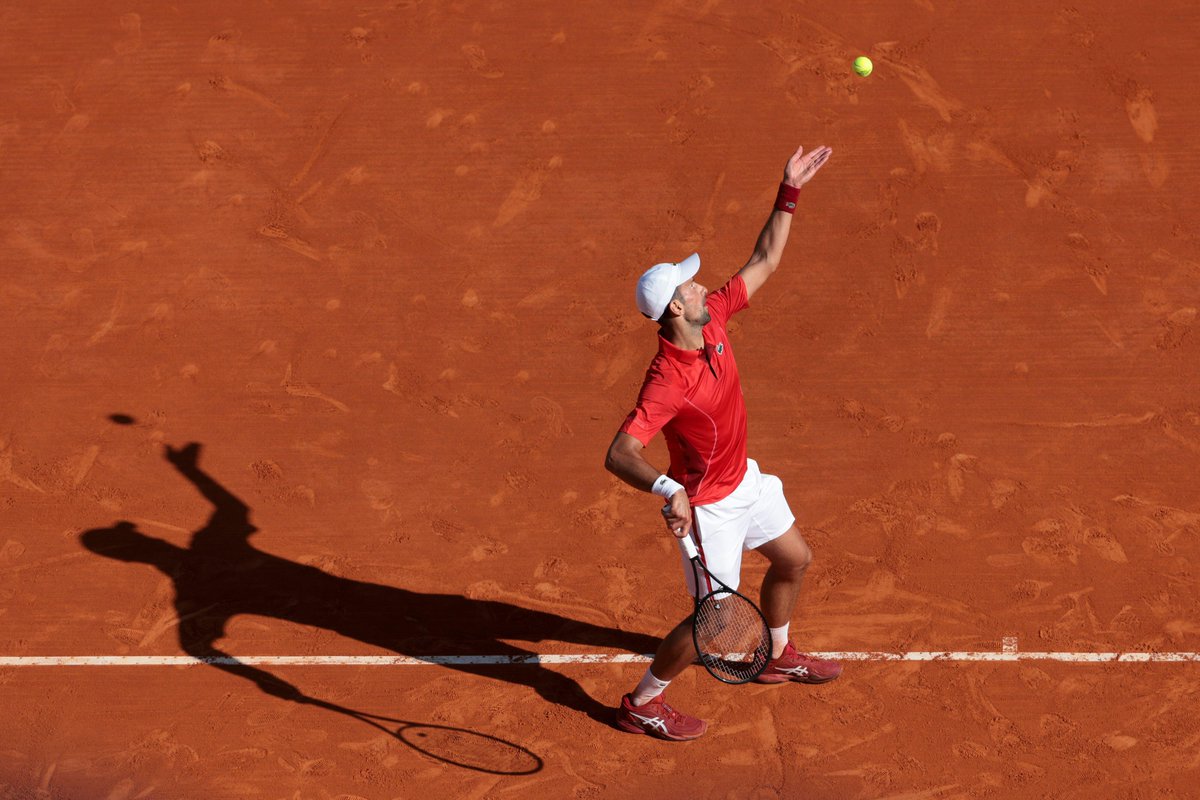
x,y
645,710
675,652
720,531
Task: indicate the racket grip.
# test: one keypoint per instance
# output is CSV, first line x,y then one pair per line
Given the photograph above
x,y
689,547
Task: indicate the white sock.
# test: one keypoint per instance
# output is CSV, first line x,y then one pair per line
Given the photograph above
x,y
647,689
779,640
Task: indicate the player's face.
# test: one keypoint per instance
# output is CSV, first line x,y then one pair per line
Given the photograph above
x,y
695,298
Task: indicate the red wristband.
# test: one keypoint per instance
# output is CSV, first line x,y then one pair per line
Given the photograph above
x,y
786,199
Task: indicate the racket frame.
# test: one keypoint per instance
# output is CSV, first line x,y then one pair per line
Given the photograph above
x,y
716,585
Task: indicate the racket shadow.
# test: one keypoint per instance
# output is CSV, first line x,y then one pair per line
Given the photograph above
x,y
220,574
457,747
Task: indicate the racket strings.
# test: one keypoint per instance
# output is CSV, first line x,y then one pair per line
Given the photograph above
x,y
731,637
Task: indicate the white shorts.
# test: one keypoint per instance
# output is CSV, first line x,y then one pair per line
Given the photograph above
x,y
754,514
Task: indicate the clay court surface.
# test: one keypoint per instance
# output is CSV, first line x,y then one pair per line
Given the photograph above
x,y
378,260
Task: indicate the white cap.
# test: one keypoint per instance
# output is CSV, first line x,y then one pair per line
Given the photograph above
x,y
657,285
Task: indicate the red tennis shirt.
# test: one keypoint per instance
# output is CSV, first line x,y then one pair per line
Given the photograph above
x,y
695,398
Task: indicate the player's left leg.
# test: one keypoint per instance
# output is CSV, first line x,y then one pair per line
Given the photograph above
x,y
773,533
789,556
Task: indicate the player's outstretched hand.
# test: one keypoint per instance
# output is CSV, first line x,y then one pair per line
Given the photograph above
x,y
801,167
184,457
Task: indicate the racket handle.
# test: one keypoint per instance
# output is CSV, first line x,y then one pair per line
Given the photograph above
x,y
689,547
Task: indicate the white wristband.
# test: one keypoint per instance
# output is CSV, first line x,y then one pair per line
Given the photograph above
x,y
665,488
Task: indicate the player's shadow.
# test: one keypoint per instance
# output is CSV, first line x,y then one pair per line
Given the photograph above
x,y
221,575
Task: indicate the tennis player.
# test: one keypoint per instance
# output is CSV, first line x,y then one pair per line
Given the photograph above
x,y
713,492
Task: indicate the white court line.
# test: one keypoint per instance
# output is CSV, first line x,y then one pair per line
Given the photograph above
x,y
579,658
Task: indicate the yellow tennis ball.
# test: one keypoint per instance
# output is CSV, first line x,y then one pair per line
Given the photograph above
x,y
863,66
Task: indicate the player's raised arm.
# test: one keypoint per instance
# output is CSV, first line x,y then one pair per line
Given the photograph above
x,y
768,251
230,519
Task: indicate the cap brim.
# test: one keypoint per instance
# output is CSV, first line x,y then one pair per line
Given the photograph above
x,y
688,268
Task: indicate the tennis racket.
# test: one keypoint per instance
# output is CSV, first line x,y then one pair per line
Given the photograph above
x,y
730,632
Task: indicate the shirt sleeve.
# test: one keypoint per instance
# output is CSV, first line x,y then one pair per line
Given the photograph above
x,y
728,300
657,405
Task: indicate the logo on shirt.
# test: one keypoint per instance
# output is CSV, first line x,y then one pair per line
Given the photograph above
x,y
720,348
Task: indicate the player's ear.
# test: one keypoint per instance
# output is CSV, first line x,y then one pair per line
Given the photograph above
x,y
673,309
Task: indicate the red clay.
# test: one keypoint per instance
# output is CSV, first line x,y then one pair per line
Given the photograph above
x,y
379,261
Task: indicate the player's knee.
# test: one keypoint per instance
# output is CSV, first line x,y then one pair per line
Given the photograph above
x,y
805,556
801,557
794,560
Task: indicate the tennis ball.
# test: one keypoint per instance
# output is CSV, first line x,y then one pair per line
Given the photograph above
x,y
863,66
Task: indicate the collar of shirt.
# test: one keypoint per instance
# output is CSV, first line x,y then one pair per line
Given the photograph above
x,y
678,353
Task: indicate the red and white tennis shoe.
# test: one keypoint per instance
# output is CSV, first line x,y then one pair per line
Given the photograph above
x,y
799,668
658,719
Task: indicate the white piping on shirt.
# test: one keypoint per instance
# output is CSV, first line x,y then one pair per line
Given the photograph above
x,y
707,463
